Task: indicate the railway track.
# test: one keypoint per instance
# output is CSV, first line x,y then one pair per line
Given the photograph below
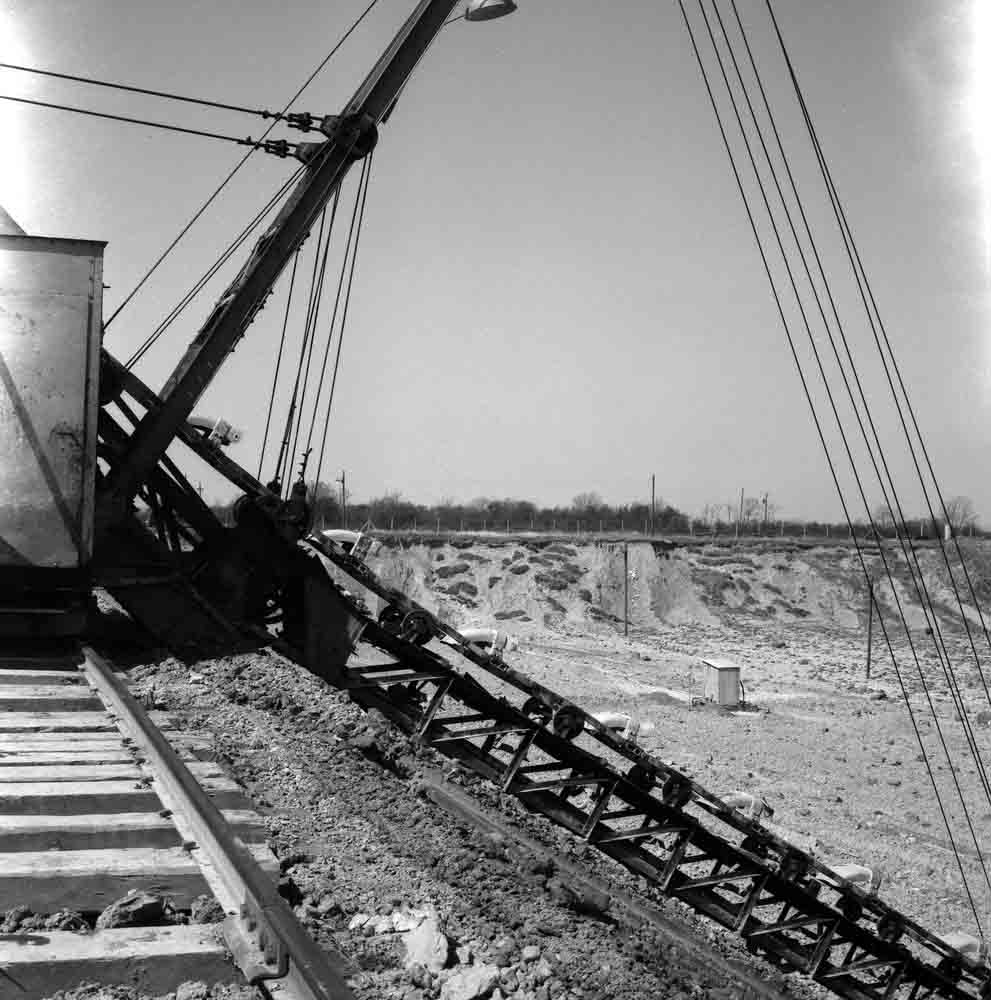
x,y
97,802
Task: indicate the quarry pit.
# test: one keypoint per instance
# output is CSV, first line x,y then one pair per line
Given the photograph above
x,y
830,749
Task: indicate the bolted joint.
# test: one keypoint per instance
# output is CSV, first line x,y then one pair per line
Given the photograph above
x,y
277,147
305,152
358,132
302,120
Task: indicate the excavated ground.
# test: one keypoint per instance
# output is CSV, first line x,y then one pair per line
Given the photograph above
x,y
831,750
361,842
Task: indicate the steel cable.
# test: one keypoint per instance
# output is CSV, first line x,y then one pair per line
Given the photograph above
x,y
908,550
344,316
231,248
847,449
821,434
278,360
248,141
91,81
291,412
312,326
880,334
337,297
237,167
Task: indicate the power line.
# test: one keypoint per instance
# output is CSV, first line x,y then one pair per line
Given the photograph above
x,y
237,167
281,148
91,81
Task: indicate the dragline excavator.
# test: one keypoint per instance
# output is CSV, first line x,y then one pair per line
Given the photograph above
x,y
85,441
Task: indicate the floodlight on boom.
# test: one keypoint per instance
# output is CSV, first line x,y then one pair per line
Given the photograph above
x,y
488,10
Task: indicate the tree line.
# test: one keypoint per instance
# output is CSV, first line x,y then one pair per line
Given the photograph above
x,y
394,512
588,513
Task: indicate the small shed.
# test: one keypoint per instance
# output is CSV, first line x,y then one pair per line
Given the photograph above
x,y
721,682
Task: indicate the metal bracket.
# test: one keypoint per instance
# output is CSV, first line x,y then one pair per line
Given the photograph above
x,y
257,951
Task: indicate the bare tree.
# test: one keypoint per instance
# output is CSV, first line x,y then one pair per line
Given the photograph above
x,y
586,501
961,514
883,517
711,512
753,508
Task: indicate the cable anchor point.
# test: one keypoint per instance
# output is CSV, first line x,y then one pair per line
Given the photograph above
x,y
277,147
303,121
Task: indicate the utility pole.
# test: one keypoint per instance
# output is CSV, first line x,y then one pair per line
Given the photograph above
x,y
870,621
626,589
344,498
653,501
739,517
764,528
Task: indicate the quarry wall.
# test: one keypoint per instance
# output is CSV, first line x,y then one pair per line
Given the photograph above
x,y
526,582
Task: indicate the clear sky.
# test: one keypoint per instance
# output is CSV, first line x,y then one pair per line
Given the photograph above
x,y
557,290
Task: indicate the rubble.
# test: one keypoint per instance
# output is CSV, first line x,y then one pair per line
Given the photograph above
x,y
472,983
137,909
427,945
416,900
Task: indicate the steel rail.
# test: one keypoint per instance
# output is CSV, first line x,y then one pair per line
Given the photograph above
x,y
266,939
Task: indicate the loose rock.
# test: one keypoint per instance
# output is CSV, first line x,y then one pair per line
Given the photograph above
x,y
427,946
136,909
470,983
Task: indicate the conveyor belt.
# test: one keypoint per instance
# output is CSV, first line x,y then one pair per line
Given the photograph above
x,y
649,817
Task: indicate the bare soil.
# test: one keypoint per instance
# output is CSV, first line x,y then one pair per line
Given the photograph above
x,y
358,838
833,751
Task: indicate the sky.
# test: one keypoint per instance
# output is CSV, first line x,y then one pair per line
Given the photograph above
x,y
557,290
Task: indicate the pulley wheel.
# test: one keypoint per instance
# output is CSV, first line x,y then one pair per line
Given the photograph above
x,y
418,628
568,722
537,710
